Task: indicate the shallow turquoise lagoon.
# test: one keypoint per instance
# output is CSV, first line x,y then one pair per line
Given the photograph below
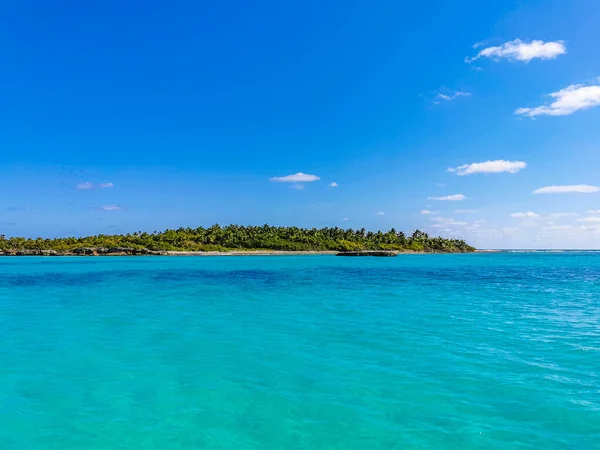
x,y
483,351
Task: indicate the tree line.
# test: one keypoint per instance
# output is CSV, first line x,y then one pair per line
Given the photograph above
x,y
236,237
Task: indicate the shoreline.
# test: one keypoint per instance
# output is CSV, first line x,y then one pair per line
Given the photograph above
x,y
251,253
89,252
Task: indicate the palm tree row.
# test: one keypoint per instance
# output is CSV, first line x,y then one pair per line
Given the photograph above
x,y
236,237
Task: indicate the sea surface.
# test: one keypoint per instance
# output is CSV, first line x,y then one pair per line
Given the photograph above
x,y
479,351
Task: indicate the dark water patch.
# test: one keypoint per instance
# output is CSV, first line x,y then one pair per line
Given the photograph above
x,y
63,279
261,277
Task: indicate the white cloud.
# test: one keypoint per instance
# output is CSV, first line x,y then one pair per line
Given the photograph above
x,y
440,184
453,96
518,50
561,227
479,44
296,178
497,166
464,211
590,219
593,211
564,214
521,215
428,212
380,213
111,208
333,184
451,198
566,101
88,185
576,188
446,221
345,218
298,187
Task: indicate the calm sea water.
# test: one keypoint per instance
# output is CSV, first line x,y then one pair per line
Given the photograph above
x,y
479,351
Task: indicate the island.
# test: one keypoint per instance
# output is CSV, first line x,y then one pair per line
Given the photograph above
x,y
237,240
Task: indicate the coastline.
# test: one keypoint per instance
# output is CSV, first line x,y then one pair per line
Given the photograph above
x,y
250,253
101,252
145,252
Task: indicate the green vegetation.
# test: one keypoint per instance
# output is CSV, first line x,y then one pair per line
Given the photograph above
x,y
235,237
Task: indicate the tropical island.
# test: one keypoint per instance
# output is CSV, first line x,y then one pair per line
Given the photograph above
x,y
235,239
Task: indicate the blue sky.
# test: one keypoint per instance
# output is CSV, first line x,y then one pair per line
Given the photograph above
x,y
124,116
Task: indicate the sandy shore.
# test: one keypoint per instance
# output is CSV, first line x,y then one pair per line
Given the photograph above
x,y
250,253
134,252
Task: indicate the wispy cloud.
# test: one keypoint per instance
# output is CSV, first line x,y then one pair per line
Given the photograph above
x,y
333,184
450,198
476,45
296,178
345,218
593,211
428,212
497,166
560,215
15,208
379,213
590,219
566,101
519,50
440,184
111,208
522,215
446,222
298,187
572,189
88,185
453,96
561,227
464,211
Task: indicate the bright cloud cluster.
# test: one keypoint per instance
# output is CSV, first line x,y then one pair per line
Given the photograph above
x,y
497,166
566,101
519,50
296,178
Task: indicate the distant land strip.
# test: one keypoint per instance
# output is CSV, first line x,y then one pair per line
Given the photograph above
x,y
234,240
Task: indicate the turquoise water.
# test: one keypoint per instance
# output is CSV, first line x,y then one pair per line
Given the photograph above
x,y
478,351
